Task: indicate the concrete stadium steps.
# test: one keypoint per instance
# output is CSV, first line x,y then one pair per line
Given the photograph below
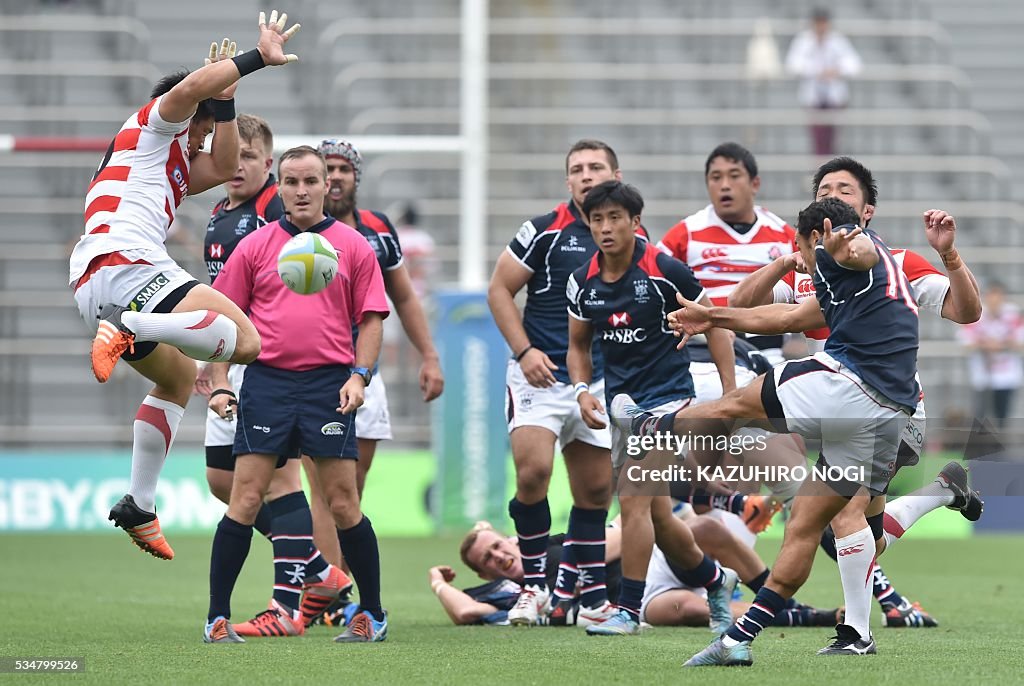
x,y
986,45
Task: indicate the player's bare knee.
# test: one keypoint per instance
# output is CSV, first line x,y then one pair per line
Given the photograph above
x,y
247,345
532,483
245,503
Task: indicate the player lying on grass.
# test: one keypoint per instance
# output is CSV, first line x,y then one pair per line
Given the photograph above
x,y
669,601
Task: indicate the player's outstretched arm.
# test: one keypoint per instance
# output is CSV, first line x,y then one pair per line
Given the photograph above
x,y
765,320
207,82
962,303
756,289
461,608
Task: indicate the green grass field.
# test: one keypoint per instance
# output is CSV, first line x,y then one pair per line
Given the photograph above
x,y
136,619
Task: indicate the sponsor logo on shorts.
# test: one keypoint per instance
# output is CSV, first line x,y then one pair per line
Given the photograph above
x,y
852,550
264,429
148,291
333,429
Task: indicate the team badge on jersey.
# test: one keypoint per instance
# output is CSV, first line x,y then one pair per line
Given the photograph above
x,y
179,179
640,291
243,225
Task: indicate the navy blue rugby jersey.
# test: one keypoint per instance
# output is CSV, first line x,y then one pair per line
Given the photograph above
x,y
873,320
227,227
629,323
378,230
553,246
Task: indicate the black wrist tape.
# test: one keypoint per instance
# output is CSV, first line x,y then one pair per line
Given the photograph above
x,y
223,110
248,62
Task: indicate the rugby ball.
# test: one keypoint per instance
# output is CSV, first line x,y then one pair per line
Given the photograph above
x,y
307,263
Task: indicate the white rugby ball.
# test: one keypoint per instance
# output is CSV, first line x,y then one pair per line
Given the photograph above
x,y
307,263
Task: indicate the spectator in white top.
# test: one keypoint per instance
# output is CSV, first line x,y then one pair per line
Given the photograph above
x,y
995,366
823,59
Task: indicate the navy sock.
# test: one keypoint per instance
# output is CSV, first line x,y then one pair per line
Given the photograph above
x,y
707,574
568,572
757,582
533,527
295,558
359,548
587,540
762,613
631,595
230,548
648,424
733,502
885,592
263,521
828,543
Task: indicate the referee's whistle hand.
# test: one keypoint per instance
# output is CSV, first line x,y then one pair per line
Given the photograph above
x,y
350,396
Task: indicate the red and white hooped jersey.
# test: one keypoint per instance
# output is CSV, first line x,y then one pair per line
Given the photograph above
x,y
719,256
928,284
140,183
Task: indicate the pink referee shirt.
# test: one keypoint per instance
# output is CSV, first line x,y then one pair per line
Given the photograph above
x,y
301,332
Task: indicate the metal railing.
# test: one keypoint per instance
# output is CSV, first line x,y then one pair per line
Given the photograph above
x,y
936,79
971,130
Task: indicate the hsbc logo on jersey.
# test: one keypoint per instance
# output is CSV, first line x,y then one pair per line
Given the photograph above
x,y
216,251
713,253
624,336
620,319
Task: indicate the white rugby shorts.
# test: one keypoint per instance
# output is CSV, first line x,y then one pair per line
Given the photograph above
x,y
373,420
554,408
859,428
661,579
139,279
220,431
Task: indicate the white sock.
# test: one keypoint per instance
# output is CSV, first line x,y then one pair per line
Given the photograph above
x,y
902,513
856,554
155,425
202,335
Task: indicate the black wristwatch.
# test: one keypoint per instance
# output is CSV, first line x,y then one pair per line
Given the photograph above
x,y
367,374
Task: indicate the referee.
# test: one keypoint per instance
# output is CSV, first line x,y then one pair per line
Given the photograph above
x,y
299,397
